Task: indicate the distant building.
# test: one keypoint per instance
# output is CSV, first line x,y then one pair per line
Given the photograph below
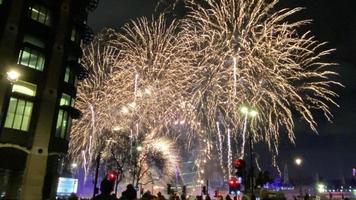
x,y
40,40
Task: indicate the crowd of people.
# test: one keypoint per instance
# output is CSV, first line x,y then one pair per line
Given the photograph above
x,y
106,188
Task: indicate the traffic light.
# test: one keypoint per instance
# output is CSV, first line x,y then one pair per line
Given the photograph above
x,y
239,165
234,185
111,176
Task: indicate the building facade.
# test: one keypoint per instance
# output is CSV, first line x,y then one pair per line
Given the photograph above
x,y
39,68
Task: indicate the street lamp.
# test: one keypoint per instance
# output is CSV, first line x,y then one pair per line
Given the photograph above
x,y
74,165
250,112
12,76
298,161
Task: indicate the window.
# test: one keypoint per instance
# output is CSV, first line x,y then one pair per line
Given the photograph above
x,y
64,120
40,14
73,35
20,109
69,76
19,114
25,88
63,124
66,100
31,58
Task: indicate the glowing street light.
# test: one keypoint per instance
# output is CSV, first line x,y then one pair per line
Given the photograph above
x,y
321,187
74,165
298,161
12,75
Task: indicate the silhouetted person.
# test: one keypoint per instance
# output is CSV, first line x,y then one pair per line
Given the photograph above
x,y
207,197
160,196
106,187
147,196
228,197
73,197
130,193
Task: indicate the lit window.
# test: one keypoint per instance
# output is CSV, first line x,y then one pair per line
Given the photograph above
x,y
73,35
25,88
20,110
19,114
69,76
64,119
31,58
40,14
63,124
66,100
34,41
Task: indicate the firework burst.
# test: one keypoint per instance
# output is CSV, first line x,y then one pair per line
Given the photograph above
x,y
189,78
249,54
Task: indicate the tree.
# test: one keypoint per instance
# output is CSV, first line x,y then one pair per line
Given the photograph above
x,y
263,177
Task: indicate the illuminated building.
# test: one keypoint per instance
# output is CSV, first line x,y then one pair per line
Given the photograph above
x,y
40,40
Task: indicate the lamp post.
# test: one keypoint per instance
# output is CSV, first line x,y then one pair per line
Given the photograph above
x,y
252,113
299,161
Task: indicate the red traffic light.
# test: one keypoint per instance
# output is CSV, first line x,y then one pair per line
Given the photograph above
x,y
233,182
239,164
111,176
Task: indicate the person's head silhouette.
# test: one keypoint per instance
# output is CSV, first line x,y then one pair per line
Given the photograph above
x,y
106,186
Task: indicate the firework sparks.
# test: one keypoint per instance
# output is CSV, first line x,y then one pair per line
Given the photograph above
x,y
249,54
190,77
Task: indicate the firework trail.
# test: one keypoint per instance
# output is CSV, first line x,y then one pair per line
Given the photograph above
x,y
229,152
186,78
246,48
125,90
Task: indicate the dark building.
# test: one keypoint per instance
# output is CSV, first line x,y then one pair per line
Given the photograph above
x,y
39,41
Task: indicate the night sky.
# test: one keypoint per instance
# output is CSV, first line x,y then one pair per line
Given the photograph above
x,y
331,153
